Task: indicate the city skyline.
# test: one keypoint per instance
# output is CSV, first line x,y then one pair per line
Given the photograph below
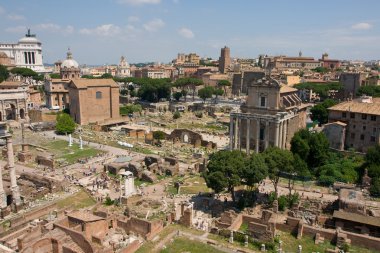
x,y
156,30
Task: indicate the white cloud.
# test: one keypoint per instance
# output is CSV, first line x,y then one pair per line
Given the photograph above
x,y
139,2
50,27
16,29
154,25
186,33
107,30
361,26
133,19
15,17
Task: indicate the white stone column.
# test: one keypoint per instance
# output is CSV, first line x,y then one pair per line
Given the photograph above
x,y
266,134
248,136
277,126
236,140
284,133
3,196
257,135
231,133
280,135
12,172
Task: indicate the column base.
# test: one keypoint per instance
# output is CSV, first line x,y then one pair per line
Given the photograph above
x,y
3,200
16,195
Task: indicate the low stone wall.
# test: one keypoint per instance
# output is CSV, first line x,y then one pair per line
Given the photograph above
x,y
147,229
78,238
132,247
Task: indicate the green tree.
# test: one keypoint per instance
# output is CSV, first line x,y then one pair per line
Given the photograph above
x,y
106,76
55,76
224,171
369,90
159,135
130,109
206,93
255,170
25,72
278,161
375,187
153,90
299,145
218,92
188,83
177,95
4,73
320,112
319,150
224,84
65,124
184,94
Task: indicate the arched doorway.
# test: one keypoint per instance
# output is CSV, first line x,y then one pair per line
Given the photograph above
x,y
11,112
9,200
1,116
22,113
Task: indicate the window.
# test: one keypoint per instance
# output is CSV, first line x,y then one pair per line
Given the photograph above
x,y
263,101
364,127
354,126
364,116
98,94
362,137
352,135
373,117
344,114
373,139
352,115
262,132
374,129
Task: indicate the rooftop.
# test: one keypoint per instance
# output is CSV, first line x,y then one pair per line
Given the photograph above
x,y
359,218
85,83
359,106
84,216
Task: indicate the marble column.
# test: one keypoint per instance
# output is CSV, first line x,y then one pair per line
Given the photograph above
x,y
236,133
277,126
280,135
284,133
231,133
3,196
266,134
257,135
247,136
240,120
12,172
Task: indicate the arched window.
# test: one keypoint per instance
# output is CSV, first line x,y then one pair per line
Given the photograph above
x,y
98,94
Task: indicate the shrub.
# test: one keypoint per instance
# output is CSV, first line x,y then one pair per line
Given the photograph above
x,y
65,124
282,203
198,114
176,115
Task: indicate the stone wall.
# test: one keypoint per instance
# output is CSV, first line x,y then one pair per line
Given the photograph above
x,y
147,229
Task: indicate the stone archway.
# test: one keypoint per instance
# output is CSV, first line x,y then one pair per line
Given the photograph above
x,y
11,112
22,113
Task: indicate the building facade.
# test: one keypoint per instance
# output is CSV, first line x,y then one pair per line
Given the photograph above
x,y
270,117
13,100
57,91
26,53
359,120
123,69
93,100
224,60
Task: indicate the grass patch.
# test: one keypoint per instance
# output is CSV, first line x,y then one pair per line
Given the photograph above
x,y
71,154
243,227
193,189
182,244
79,200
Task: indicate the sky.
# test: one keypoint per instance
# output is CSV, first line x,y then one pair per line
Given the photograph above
x,y
101,31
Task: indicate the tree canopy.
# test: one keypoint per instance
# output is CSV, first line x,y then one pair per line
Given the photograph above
x,y
4,73
224,170
369,90
206,93
153,90
322,89
320,113
65,124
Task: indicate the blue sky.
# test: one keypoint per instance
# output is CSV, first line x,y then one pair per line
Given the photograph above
x,y
100,31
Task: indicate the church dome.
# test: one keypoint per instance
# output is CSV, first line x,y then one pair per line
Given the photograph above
x,y
29,38
69,62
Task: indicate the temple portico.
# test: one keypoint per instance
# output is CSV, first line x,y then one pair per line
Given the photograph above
x,y
271,115
260,131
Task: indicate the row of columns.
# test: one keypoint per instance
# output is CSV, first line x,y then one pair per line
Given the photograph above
x,y
30,57
280,134
12,173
